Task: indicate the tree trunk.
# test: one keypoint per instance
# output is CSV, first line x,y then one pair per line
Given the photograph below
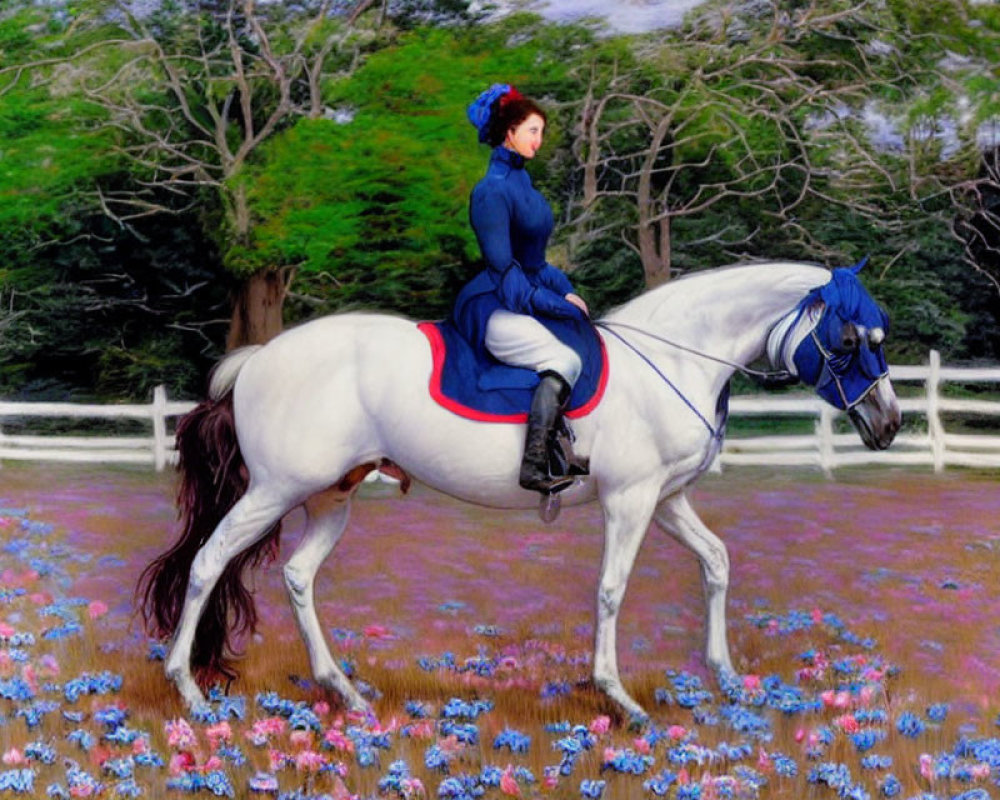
x,y
257,309
654,234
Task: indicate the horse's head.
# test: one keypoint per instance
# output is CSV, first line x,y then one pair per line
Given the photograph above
x,y
842,356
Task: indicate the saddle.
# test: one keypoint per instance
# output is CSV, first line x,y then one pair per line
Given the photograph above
x,y
478,387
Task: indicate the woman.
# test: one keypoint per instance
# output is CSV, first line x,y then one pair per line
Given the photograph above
x,y
498,311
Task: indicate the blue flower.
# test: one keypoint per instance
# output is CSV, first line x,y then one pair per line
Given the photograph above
x,y
466,733
435,758
866,739
875,761
38,751
460,787
418,709
784,766
457,708
592,789
937,712
21,781
661,784
83,738
128,788
513,740
120,767
910,725
891,786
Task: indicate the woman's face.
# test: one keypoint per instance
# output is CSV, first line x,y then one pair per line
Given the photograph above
x,y
525,138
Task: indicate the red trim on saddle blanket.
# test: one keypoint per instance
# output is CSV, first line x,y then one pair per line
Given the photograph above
x,y
430,330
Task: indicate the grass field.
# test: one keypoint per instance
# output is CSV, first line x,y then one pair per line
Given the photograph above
x,y
863,617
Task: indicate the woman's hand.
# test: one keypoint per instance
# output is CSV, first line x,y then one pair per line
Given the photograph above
x,y
579,302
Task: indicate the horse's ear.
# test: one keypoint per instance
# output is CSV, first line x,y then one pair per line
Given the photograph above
x,y
859,266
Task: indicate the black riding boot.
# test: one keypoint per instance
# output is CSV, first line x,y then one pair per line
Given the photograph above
x,y
546,405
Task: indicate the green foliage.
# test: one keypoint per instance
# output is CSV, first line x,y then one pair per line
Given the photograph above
x,y
375,209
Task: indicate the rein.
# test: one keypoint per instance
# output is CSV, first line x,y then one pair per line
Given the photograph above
x,y
776,376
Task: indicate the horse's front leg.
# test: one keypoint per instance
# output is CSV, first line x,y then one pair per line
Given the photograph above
x,y
328,514
676,516
627,513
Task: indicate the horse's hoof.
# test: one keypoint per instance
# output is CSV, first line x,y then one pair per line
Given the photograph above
x,y
549,507
638,721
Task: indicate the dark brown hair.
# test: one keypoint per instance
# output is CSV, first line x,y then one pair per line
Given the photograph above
x,y
510,114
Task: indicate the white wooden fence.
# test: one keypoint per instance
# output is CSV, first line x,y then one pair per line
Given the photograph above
x,y
824,448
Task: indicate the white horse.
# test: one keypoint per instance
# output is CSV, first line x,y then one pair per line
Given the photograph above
x,y
301,420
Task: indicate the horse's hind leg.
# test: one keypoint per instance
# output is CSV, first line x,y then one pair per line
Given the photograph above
x,y
676,516
328,514
245,523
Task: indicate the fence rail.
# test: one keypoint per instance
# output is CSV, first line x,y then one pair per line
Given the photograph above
x,y
825,448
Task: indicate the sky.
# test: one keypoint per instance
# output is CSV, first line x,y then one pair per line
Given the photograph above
x,y
622,16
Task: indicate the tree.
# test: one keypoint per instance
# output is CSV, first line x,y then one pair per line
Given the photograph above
x,y
193,90
738,111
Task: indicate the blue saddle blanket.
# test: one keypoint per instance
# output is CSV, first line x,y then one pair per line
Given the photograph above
x,y
486,390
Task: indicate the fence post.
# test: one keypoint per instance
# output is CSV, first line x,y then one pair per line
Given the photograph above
x,y
160,427
935,430
824,432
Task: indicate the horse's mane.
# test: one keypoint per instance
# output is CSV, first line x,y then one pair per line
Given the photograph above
x,y
780,282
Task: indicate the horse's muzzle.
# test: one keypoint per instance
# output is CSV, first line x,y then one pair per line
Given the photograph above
x,y
877,417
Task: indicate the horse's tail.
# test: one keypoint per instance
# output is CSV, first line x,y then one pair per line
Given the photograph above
x,y
213,477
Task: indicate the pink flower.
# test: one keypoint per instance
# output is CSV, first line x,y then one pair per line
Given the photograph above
x,y
642,746
213,763
97,609
600,725
340,791
866,695
817,616
981,772
507,783
50,665
751,682
833,699
848,723
301,739
14,757
179,734
277,759
424,729
609,754
82,790
450,745
309,761
927,766
321,708
338,741
551,779
764,763
6,631
220,732
676,732
181,762
378,632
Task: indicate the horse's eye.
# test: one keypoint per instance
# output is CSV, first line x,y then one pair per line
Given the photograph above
x,y
875,337
850,337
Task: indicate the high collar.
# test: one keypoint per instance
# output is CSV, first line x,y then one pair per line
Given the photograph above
x,y
503,155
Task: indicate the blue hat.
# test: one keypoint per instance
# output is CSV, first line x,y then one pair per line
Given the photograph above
x,y
481,108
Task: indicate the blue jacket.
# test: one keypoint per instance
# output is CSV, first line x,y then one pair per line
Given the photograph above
x,y
512,222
